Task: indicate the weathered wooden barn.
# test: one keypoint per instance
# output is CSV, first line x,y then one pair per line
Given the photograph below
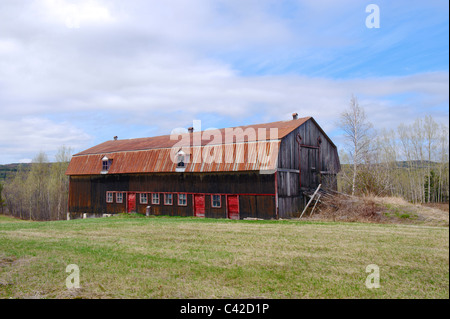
x,y
255,171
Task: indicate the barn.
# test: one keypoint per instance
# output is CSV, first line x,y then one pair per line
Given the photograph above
x,y
255,171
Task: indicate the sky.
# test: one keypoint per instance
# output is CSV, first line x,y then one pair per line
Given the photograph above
x,y
78,73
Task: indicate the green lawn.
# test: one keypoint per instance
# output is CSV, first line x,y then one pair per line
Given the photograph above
x,y
170,257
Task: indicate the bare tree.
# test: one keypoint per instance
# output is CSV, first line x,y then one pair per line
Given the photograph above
x,y
37,182
431,135
59,183
443,188
384,171
41,192
403,132
357,134
16,194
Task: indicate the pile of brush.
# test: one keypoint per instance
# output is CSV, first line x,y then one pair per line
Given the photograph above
x,y
341,207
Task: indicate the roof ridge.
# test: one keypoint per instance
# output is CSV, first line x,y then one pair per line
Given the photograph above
x,y
161,141
223,128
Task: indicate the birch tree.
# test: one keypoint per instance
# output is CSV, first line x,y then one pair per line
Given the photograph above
x,y
37,183
41,192
443,188
59,183
357,134
431,133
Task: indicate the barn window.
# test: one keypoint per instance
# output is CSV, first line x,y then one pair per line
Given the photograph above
x,y
119,197
155,199
168,199
109,197
182,159
143,198
216,201
106,164
182,200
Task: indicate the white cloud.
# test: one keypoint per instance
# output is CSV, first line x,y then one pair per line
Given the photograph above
x,y
145,67
29,136
75,14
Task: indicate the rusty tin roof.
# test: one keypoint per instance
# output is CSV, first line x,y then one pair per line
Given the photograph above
x,y
208,151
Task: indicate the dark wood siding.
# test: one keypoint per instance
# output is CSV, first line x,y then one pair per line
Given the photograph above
x,y
228,183
257,207
87,194
215,212
313,169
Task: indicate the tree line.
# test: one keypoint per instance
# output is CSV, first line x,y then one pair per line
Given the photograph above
x,y
409,161
41,191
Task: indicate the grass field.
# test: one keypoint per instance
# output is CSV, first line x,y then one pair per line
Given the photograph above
x,y
170,257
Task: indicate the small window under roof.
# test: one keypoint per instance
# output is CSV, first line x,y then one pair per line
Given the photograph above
x,y
106,164
181,161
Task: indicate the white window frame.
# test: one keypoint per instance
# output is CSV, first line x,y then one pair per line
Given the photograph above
x,y
166,196
182,201
143,198
109,197
219,200
119,200
155,200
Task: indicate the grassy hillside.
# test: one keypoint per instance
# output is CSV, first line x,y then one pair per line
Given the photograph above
x,y
193,258
380,210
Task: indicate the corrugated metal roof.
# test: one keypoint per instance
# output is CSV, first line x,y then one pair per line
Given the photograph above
x,y
146,143
210,158
246,152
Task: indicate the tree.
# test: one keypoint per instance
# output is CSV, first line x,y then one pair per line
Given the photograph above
x,y
37,184
431,131
443,155
358,133
59,183
385,168
411,162
16,194
2,201
40,192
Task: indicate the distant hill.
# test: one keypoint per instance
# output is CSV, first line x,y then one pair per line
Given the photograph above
x,y
406,164
7,170
416,164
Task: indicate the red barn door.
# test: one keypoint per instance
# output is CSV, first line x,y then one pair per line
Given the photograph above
x,y
233,206
131,202
199,205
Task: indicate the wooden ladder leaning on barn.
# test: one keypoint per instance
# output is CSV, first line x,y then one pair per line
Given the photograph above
x,y
321,195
